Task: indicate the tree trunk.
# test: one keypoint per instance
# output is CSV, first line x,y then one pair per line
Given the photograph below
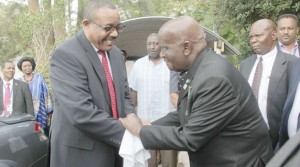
x,y
33,5
59,20
51,39
81,5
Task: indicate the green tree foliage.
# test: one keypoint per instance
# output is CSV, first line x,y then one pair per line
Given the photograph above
x,y
60,19
242,13
81,5
36,29
37,33
11,41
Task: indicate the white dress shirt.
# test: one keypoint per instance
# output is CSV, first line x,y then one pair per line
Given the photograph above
x,y
108,61
268,61
293,117
151,82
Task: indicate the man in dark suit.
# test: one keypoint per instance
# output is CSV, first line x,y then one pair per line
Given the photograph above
x,y
288,28
90,88
291,112
218,120
277,67
19,96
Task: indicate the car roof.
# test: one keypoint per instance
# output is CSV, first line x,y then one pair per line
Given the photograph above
x,y
133,38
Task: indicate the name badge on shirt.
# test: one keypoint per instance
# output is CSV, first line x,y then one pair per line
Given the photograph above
x,y
9,107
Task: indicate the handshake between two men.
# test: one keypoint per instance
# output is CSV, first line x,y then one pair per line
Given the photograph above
x,y
133,123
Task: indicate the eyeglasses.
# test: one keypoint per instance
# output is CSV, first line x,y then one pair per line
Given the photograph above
x,y
109,28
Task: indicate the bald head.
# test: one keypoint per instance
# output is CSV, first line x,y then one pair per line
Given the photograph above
x,y
264,24
184,28
262,36
181,41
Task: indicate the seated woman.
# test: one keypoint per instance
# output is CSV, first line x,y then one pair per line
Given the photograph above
x,y
42,103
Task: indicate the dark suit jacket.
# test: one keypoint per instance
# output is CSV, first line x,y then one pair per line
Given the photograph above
x,y
278,88
22,98
295,78
218,120
288,155
83,131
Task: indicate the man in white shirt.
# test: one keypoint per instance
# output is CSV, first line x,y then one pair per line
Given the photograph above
x,y
15,96
290,119
149,83
272,86
288,28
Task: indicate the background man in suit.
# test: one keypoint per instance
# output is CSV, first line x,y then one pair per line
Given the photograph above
x,y
271,91
288,28
14,94
291,113
90,88
218,120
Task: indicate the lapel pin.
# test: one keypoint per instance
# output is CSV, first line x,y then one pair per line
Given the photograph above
x,y
184,86
186,83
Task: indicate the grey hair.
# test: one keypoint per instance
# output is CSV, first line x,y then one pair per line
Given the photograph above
x,y
292,16
92,7
7,61
153,34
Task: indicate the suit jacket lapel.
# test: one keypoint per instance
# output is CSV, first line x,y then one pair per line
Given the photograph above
x,y
298,47
278,70
188,78
248,66
190,75
1,96
15,89
94,59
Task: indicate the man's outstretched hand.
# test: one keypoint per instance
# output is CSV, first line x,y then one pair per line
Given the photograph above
x,y
132,123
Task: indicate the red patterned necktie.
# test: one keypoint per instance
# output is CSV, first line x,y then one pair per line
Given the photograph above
x,y
110,85
6,100
257,77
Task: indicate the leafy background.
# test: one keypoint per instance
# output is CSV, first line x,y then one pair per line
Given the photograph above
x,y
34,27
